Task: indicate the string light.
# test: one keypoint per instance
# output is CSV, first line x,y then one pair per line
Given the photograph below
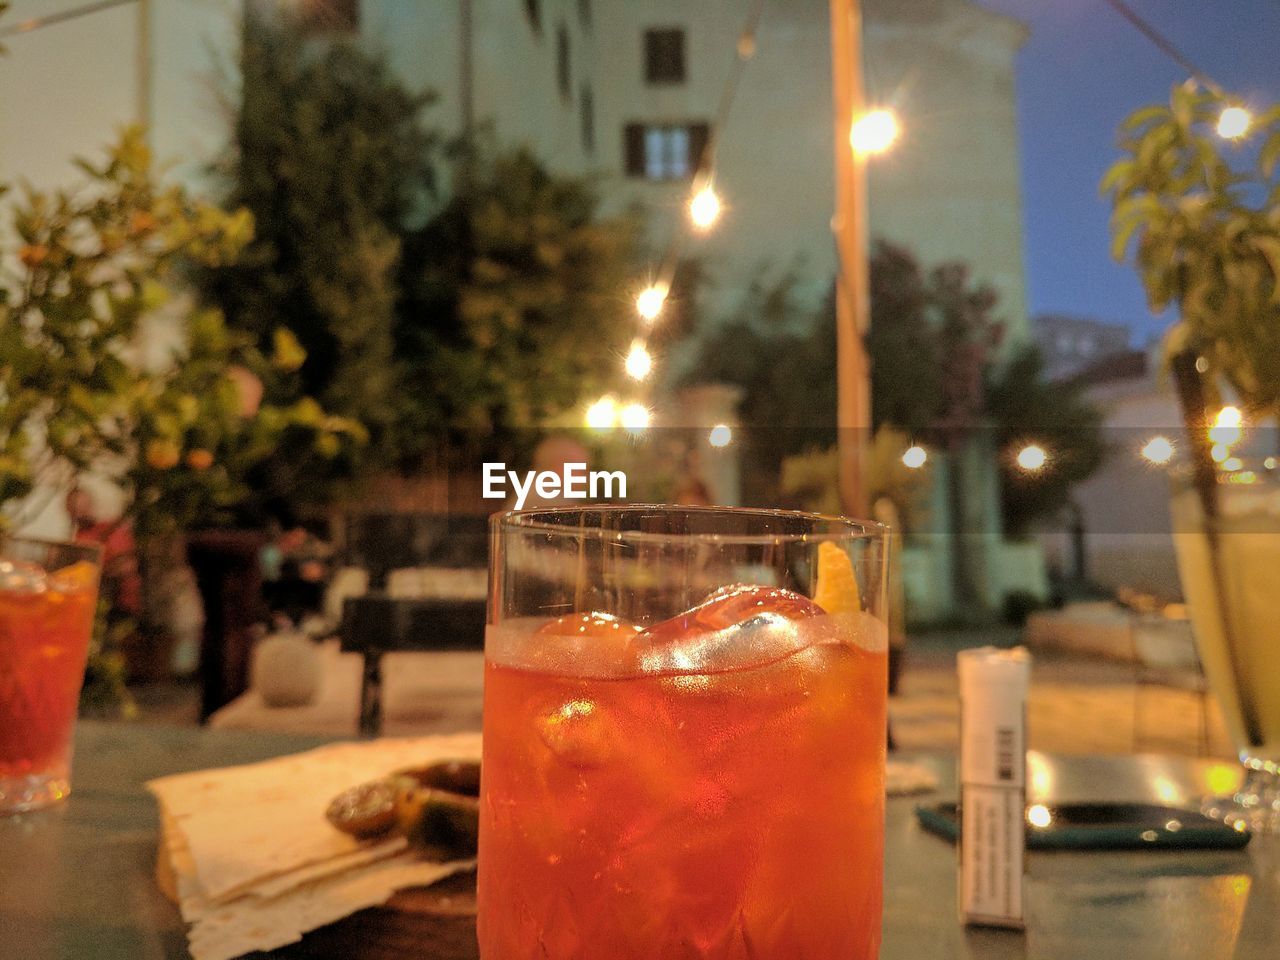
x,y
650,301
639,361
705,208
1232,464
1234,122
1032,458
1228,426
874,132
1158,450
635,417
603,414
915,457
1219,452
720,436
1038,815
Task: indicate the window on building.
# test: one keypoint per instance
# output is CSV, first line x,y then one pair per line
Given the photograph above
x,y
584,14
664,151
564,79
329,16
587,106
664,55
533,10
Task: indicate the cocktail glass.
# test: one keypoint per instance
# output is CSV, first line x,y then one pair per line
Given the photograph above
x,y
48,594
1229,563
684,736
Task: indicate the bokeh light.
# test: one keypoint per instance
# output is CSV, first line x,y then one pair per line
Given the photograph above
x,y
1234,122
603,414
650,301
705,208
1158,450
1228,426
639,361
635,417
720,435
874,132
915,457
1032,457
1038,815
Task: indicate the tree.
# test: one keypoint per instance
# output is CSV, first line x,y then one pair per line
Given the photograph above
x,y
902,347
1203,221
932,346
83,394
333,160
513,310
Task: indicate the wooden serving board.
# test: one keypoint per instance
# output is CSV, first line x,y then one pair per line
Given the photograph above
x,y
434,923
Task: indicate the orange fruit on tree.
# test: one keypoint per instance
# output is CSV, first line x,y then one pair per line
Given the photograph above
x,y
163,454
33,254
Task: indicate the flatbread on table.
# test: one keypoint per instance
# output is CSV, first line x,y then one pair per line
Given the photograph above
x,y
251,860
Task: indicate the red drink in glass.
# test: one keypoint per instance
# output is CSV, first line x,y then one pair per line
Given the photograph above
x,y
709,787
48,594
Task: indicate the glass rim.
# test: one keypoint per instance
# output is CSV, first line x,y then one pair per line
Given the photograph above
x,y
87,546
534,520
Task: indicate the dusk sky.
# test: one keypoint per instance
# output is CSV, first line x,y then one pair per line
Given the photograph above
x,y
1080,73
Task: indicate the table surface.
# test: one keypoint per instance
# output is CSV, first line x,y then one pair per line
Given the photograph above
x,y
76,881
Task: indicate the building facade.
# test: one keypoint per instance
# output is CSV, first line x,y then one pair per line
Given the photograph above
x,y
619,90
628,92
1072,345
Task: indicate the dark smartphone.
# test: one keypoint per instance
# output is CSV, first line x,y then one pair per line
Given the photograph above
x,y
1104,826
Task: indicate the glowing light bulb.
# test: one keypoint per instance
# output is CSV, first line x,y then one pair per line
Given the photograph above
x,y
1229,417
602,414
1038,815
639,361
635,417
1158,450
915,457
1232,464
720,435
1228,426
1234,123
705,208
1032,458
874,132
650,301
1219,452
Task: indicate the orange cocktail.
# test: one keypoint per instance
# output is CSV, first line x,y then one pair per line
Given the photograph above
x,y
707,786
46,616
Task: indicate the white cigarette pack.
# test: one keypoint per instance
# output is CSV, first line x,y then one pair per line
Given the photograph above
x,y
993,782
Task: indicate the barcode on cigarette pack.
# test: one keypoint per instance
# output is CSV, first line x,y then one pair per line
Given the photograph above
x,y
1004,754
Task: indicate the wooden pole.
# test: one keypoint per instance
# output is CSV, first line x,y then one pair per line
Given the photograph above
x,y
853,404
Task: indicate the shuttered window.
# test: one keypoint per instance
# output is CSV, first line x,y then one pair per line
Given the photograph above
x,y
664,56
663,151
